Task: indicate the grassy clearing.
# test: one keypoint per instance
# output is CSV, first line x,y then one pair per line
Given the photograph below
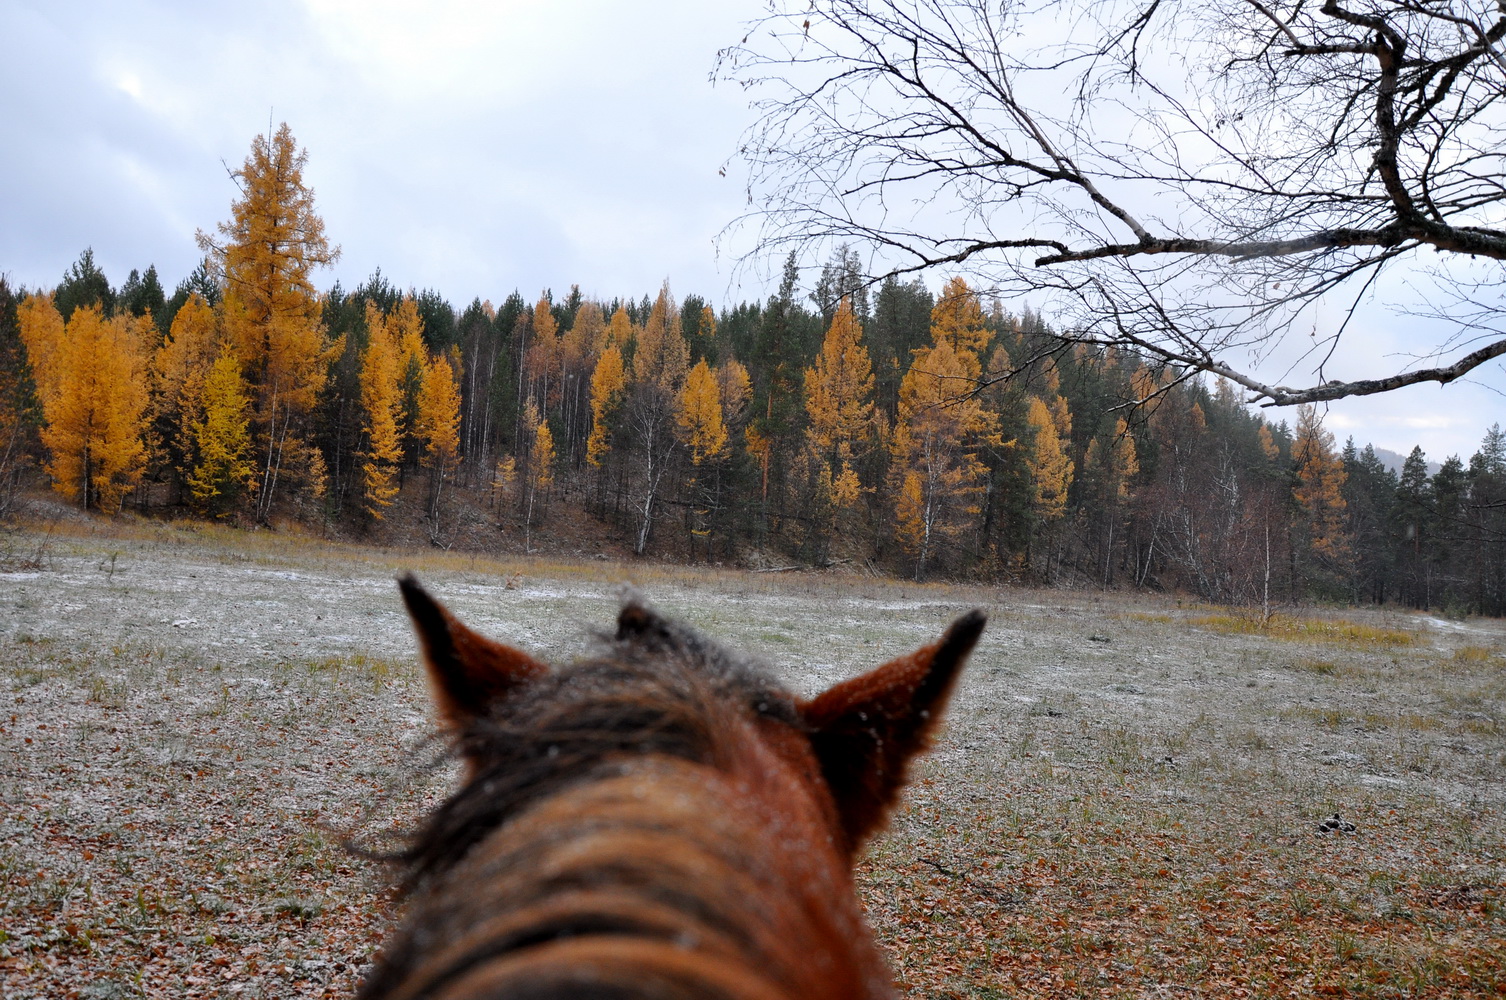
x,y
1128,800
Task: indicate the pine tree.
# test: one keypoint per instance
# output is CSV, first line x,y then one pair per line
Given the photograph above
x,y
19,411
1486,513
265,258
1411,522
1109,470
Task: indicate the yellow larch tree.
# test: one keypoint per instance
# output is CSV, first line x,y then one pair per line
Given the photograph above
x,y
176,379
936,470
381,403
265,257
839,392
1050,468
700,415
842,425
438,428
438,424
222,439
957,318
737,392
92,388
405,328
541,362
578,346
660,361
619,333
42,332
1319,491
608,384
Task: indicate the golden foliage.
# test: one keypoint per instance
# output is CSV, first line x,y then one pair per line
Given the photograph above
x,y
578,346
538,449
381,403
958,320
222,438
700,415
839,390
619,333
608,383
661,357
1050,468
42,332
271,245
941,430
438,424
1319,487
92,387
736,390
178,371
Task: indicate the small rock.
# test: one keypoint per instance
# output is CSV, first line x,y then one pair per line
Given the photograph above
x,y
1334,824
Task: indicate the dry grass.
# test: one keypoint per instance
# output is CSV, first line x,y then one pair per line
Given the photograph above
x,y
1355,635
1127,802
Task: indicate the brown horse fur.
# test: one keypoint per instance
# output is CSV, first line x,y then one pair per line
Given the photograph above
x,y
659,820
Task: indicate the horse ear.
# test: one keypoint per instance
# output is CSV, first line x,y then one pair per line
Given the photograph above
x,y
469,672
866,730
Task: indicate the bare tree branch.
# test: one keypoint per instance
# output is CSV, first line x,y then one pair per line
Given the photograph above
x,y
1197,209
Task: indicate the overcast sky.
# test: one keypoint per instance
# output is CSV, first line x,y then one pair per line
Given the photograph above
x,y
473,148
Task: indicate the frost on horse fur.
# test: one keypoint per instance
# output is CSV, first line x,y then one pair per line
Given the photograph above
x,y
660,819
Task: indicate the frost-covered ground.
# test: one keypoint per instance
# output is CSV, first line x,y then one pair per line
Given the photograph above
x,y
1127,801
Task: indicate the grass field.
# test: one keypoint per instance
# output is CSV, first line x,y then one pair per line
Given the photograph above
x,y
1129,800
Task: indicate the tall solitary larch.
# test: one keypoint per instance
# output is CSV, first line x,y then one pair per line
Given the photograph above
x,y
265,257
937,471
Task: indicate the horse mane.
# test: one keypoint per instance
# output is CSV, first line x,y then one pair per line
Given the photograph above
x,y
661,819
662,693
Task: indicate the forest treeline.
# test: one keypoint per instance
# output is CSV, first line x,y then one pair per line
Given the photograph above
x,y
844,422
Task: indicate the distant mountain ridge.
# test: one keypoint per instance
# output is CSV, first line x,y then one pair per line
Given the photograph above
x,y
1394,462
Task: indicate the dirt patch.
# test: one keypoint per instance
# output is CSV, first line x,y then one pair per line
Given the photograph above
x,y
1131,796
